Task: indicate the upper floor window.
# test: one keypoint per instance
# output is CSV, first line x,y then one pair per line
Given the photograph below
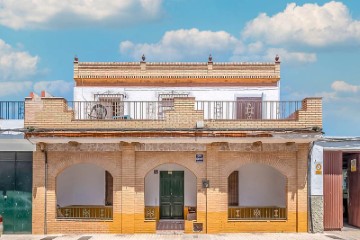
x,y
108,106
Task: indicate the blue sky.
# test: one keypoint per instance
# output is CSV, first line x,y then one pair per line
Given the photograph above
x,y
318,43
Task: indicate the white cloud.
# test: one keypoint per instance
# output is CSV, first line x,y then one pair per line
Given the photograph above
x,y
288,57
342,86
16,64
54,87
309,24
22,14
343,92
193,44
15,88
184,44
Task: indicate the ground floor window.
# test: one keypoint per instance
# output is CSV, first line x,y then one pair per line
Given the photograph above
x,y
84,191
256,191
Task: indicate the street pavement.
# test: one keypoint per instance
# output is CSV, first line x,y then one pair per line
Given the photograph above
x,y
349,234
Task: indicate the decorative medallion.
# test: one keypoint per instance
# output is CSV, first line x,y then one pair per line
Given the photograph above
x,y
249,112
86,213
256,212
150,213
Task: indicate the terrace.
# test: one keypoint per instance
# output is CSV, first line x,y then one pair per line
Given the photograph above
x,y
177,113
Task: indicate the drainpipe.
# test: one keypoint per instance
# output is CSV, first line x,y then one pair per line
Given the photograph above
x,y
43,149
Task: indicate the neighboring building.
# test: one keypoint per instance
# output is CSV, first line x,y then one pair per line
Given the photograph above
x,y
207,145
335,183
15,169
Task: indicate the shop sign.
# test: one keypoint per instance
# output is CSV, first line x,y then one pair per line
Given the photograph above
x,y
353,165
318,169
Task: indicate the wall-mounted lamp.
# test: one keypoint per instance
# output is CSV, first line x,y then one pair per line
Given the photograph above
x,y
205,183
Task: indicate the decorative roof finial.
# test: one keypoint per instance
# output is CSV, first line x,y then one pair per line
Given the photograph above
x,y
277,58
143,58
76,59
210,58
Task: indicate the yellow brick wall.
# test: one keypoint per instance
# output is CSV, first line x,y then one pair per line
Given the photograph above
x,y
129,166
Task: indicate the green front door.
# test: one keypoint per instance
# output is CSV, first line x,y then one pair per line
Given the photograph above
x,y
16,191
171,195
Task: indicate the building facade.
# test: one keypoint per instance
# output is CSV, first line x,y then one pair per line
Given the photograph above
x,y
334,193
15,169
193,147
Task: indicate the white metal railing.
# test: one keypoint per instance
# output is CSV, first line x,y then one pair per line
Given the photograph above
x,y
249,110
212,110
117,110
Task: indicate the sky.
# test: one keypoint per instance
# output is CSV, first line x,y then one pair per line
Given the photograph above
x,y
318,43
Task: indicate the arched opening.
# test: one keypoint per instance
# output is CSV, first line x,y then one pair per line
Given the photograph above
x,y
257,191
170,193
84,191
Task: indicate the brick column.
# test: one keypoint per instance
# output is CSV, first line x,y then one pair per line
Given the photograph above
x,y
128,187
215,198
302,197
38,193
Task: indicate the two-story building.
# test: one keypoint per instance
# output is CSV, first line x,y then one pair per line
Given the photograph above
x,y
194,147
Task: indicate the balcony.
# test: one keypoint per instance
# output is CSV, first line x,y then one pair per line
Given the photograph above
x,y
12,110
212,110
178,113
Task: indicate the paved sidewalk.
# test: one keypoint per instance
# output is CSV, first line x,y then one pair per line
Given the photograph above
x,y
343,235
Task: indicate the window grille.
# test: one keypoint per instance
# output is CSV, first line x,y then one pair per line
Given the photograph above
x,y
108,106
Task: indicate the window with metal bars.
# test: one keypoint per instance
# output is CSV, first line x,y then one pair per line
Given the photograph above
x,y
108,106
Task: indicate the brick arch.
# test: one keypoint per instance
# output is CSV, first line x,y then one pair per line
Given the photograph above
x,y
267,165
234,164
144,169
70,159
284,180
181,165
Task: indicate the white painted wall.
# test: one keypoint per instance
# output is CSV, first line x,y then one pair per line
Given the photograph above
x,y
316,184
81,184
152,185
261,185
200,93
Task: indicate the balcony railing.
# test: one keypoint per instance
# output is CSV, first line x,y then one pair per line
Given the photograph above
x,y
85,212
256,213
12,110
249,110
212,110
117,110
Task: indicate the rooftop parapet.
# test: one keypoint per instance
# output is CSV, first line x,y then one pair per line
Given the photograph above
x,y
98,73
